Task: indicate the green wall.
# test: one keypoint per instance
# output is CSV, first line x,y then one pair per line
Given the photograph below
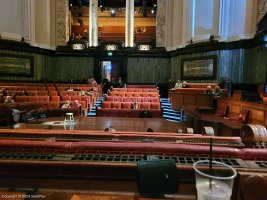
x,y
255,66
62,68
240,65
148,70
40,61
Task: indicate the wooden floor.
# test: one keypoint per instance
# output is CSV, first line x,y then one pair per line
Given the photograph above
x,y
120,124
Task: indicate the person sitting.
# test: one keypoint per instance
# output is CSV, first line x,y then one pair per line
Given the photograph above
x,y
135,105
209,90
9,100
105,84
184,85
138,30
112,82
110,129
3,92
178,84
32,114
66,104
76,104
217,92
149,130
71,80
145,113
120,83
93,81
144,30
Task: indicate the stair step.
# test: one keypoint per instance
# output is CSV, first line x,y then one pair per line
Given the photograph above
x,y
165,104
171,110
171,120
171,113
171,117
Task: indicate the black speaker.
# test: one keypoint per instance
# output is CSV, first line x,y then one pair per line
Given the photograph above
x,y
157,177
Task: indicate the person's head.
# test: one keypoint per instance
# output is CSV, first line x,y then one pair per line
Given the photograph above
x,y
67,102
76,102
119,78
109,129
217,88
8,98
82,92
184,82
178,81
112,79
208,87
149,130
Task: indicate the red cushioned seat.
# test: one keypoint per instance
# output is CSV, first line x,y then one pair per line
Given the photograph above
x,y
42,93
223,112
243,116
65,98
63,93
42,98
55,98
116,105
53,93
155,106
32,93
125,105
32,98
138,90
106,104
51,88
145,106
130,89
78,98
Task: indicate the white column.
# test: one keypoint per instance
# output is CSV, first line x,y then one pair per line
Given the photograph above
x,y
93,23
169,24
32,20
129,21
161,23
62,21
177,24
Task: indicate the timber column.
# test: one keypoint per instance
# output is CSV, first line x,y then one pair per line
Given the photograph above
x,y
93,23
129,21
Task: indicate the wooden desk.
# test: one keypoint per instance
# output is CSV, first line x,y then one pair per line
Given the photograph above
x,y
221,126
257,110
186,99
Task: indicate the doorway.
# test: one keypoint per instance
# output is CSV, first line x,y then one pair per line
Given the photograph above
x,y
106,70
110,68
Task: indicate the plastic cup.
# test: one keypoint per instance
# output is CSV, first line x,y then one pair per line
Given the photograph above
x,y
215,185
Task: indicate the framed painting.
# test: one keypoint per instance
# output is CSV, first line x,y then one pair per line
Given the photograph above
x,y
199,68
16,65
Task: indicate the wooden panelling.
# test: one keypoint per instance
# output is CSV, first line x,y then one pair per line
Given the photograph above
x,y
184,99
257,111
256,114
235,108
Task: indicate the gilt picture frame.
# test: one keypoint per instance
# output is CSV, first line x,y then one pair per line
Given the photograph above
x,y
16,65
199,68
